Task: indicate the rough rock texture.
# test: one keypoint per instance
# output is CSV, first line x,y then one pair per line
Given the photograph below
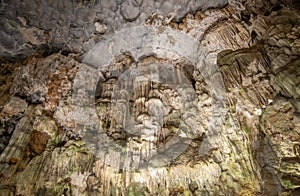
x,y
198,98
75,26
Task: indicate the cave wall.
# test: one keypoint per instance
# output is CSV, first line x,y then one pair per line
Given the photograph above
x,y
150,97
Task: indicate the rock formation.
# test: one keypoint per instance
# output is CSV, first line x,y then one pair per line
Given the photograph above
x,y
136,97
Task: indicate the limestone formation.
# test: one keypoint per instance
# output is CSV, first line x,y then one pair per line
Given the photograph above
x,y
138,97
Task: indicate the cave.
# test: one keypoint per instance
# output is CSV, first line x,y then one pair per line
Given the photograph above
x,y
157,97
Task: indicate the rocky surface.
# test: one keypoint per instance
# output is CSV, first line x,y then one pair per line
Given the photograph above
x,y
150,97
75,26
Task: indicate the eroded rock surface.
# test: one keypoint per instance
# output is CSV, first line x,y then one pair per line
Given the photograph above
x,y
156,118
73,26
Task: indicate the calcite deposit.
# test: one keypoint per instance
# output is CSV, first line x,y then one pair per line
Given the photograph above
x,y
136,97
